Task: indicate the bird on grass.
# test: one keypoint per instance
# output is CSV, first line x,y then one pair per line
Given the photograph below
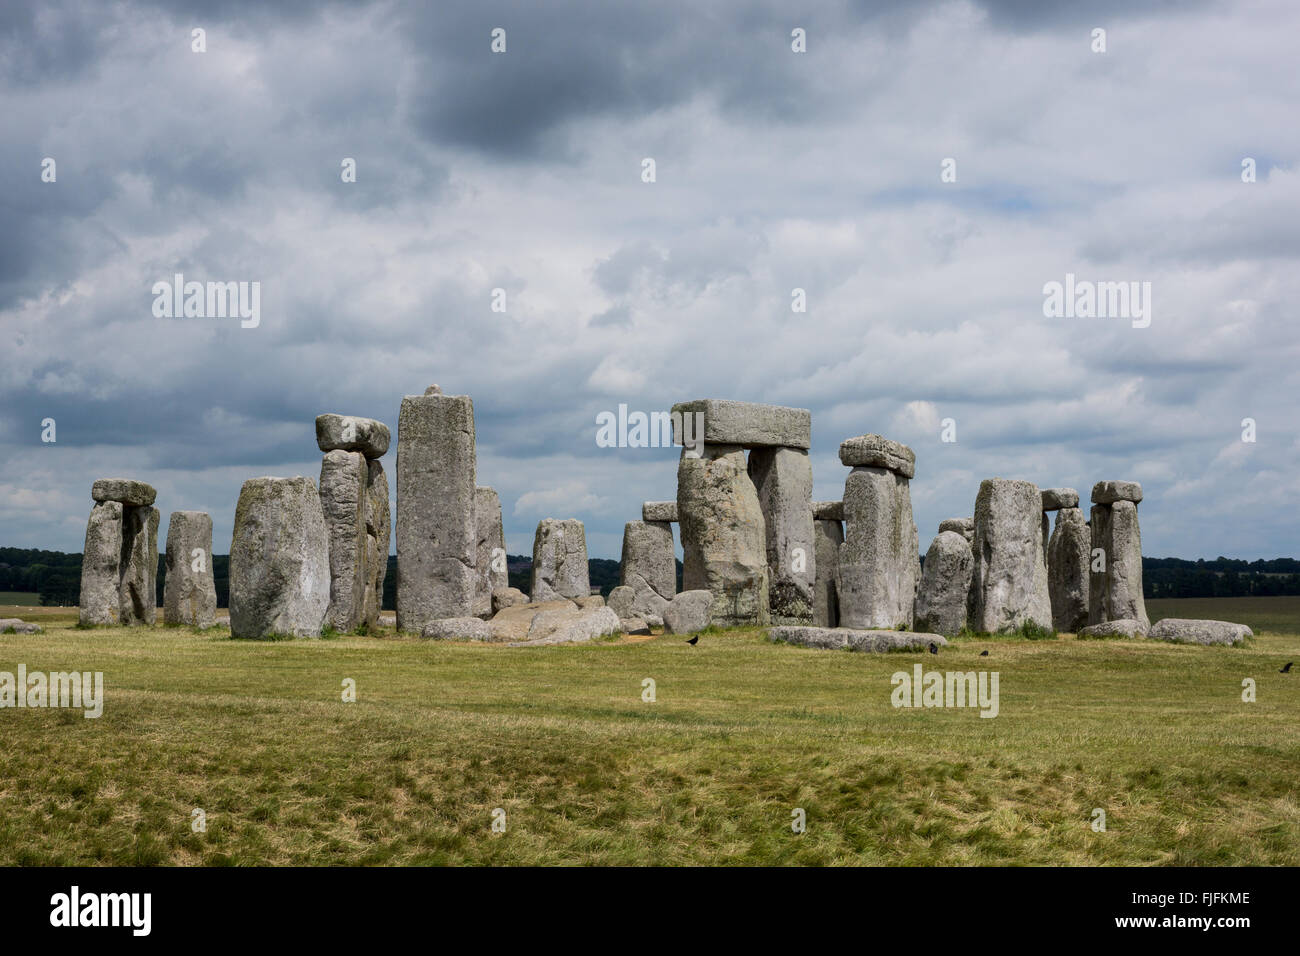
x,y
693,640
984,653
1286,669
934,648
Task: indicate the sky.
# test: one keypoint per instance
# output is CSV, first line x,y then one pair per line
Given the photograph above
x,y
829,170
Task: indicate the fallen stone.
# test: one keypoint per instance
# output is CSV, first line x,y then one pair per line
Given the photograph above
x,y
513,622
101,566
876,451
620,601
135,494
507,597
490,550
1127,628
659,511
1056,498
349,433
461,629
828,535
1009,580
828,510
1109,492
879,566
14,625
783,479
747,424
190,590
945,585
590,601
962,526
279,560
560,560
872,641
571,625
1191,631
1068,559
139,585
634,625
689,612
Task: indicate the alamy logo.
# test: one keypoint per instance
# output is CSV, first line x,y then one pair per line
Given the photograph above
x,y
213,300
946,689
1098,300
103,909
654,430
79,691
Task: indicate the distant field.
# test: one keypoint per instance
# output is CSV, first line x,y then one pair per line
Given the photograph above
x,y
1281,615
742,733
22,598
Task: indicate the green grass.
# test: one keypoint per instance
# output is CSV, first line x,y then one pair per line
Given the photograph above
x,y
20,598
743,732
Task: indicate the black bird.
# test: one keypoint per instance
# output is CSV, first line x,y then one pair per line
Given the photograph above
x,y
1287,669
934,648
984,653
693,640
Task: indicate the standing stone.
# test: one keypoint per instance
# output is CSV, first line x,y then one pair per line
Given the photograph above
x,y
378,533
963,526
279,560
139,587
945,585
880,557
560,560
724,544
1067,570
783,479
1010,573
490,549
436,533
1116,592
101,566
649,567
190,591
343,479
829,535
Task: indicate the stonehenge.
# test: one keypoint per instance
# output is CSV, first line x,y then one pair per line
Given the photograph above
x,y
559,560
783,480
828,535
945,585
1068,551
1009,577
119,567
648,569
489,550
190,591
1115,582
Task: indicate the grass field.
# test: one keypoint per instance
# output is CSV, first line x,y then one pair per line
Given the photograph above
x,y
742,733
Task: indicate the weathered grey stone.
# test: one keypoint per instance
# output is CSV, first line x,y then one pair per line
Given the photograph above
x,y
590,601
1010,572
724,546
963,526
871,641
1127,628
279,560
350,433
649,566
1056,498
880,557
461,629
689,612
634,625
139,587
507,597
945,585
570,625
190,590
783,479
343,479
620,601
1109,492
560,560
828,535
1190,631
101,566
490,551
378,530
1067,570
513,622
747,424
436,533
828,510
135,494
1115,593
16,625
876,451
659,511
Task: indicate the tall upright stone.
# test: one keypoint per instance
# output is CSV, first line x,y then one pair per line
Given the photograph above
x,y
101,566
436,531
560,560
139,587
1067,570
190,591
344,476
490,549
279,560
783,479
1115,593
378,534
1009,581
879,566
724,542
649,566
945,585
828,533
